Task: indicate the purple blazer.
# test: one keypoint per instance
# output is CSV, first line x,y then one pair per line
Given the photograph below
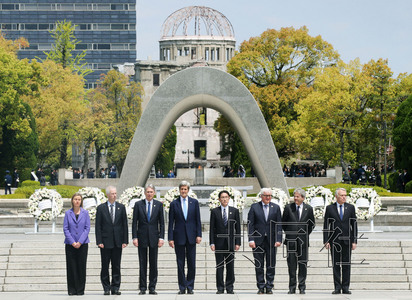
x,y
76,230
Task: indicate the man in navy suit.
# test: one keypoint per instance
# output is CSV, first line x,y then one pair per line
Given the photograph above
x,y
148,229
297,222
265,235
112,236
340,231
224,236
185,231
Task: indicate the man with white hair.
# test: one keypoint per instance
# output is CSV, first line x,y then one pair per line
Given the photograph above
x,y
112,235
340,231
265,235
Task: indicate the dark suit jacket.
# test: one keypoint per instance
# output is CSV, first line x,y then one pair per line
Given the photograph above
x,y
76,230
183,231
111,234
290,222
259,228
343,231
148,233
217,228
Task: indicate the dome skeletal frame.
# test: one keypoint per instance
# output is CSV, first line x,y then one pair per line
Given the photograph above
x,y
204,21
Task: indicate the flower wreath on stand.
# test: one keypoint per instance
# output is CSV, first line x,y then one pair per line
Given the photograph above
x,y
278,196
129,198
45,204
367,202
236,198
318,197
92,198
172,194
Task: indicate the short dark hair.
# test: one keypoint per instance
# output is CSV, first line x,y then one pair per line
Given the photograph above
x,y
224,191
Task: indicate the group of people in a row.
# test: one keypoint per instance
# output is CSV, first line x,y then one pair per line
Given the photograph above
x,y
265,226
304,170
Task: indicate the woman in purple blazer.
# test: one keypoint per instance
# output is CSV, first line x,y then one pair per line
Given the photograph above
x,y
76,229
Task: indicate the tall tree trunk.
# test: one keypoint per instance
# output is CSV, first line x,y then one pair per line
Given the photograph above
x,y
86,158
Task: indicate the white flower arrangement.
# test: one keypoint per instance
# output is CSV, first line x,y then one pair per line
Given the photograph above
x,y
129,198
278,196
92,198
318,197
45,204
236,198
367,202
171,195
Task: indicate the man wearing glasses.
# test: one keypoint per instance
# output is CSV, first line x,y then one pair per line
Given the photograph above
x,y
265,235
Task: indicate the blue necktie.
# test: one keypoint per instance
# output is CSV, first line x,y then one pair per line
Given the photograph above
x,y
297,212
184,208
148,211
340,212
224,216
111,213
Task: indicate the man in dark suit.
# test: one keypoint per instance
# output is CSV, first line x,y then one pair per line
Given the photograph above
x,y
340,233
297,222
224,236
112,236
265,235
185,231
148,229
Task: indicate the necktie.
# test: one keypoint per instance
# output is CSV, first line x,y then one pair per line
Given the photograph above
x,y
224,216
266,212
112,212
297,212
148,211
184,208
340,212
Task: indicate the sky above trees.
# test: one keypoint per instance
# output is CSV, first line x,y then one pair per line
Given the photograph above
x,y
367,29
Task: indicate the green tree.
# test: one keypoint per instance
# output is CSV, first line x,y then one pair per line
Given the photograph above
x,y
64,46
166,156
18,79
123,98
402,136
278,68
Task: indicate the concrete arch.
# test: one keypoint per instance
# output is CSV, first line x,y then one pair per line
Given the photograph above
x,y
202,87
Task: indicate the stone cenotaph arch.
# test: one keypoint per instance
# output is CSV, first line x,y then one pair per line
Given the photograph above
x,y
202,87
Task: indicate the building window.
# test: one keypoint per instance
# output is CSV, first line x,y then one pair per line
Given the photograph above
x,y
201,116
156,79
200,149
193,53
207,53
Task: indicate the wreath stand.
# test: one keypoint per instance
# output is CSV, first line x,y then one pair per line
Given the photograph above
x,y
36,226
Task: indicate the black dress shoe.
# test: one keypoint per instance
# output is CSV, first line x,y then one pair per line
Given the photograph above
x,y
80,294
335,292
302,291
116,292
107,292
219,292
261,291
230,292
181,292
346,292
269,291
152,292
292,291
190,292
142,292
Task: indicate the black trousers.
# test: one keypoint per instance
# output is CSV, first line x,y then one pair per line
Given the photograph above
x,y
182,252
111,256
143,267
263,252
341,260
297,260
222,259
76,261
7,188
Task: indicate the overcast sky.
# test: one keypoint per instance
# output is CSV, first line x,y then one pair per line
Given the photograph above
x,y
368,29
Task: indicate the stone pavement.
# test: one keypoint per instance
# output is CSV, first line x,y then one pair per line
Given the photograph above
x,y
201,295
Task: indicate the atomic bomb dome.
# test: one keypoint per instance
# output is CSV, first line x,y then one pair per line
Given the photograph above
x,y
197,33
196,21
